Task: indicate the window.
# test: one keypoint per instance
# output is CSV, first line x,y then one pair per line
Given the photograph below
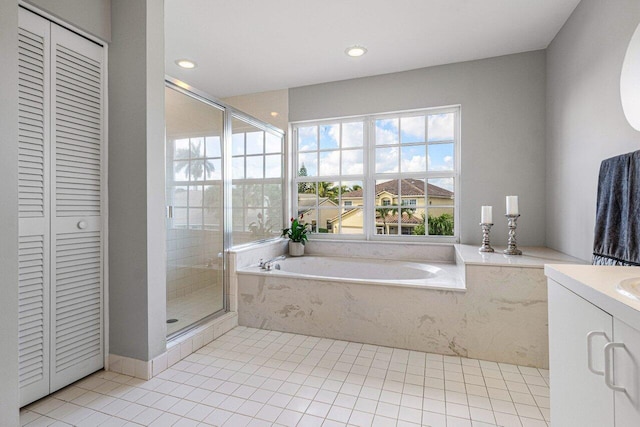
x,y
389,174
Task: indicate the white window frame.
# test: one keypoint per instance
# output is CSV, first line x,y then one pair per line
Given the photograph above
x,y
369,178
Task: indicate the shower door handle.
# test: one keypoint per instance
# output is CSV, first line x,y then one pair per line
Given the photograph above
x,y
170,212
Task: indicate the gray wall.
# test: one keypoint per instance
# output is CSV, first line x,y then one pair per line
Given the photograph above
x,y
503,102
136,181
9,213
585,122
92,16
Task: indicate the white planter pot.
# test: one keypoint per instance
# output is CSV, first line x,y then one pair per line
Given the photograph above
x,y
296,248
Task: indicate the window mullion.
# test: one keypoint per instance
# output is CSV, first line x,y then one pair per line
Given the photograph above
x,y
369,181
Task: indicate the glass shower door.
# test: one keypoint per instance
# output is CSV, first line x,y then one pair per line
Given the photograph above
x,y
195,232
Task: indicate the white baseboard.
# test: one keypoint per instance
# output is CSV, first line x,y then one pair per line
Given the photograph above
x,y
177,349
129,366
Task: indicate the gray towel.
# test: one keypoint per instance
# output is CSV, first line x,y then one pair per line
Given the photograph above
x,y
617,232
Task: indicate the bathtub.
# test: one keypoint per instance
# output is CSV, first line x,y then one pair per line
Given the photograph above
x,y
365,271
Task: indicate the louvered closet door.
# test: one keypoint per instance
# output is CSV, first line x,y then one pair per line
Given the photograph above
x,y
77,332
33,206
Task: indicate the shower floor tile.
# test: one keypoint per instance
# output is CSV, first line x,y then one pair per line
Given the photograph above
x,y
193,307
253,377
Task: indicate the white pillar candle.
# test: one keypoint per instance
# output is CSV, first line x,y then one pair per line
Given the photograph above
x,y
486,216
512,205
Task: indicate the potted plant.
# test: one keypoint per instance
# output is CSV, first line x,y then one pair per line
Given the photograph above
x,y
297,235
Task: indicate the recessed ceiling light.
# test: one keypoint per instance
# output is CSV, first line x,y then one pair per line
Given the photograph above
x,y
274,114
186,63
355,51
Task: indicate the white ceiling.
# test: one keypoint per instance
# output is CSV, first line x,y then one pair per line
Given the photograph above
x,y
250,46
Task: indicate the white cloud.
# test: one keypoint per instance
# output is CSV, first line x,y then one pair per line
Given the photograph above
x,y
446,183
387,160
413,129
329,163
440,127
446,165
352,134
414,164
352,163
307,138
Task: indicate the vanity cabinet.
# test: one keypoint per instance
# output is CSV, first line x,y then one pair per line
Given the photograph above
x,y
594,364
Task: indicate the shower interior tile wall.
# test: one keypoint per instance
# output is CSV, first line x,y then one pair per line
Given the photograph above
x,y
192,261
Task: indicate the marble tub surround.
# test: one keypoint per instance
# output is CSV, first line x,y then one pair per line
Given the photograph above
x,y
502,317
405,251
247,255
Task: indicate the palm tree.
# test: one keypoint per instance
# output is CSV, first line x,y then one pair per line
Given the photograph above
x,y
408,211
382,213
195,169
327,189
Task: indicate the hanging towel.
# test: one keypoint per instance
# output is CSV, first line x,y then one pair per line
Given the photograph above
x,y
617,232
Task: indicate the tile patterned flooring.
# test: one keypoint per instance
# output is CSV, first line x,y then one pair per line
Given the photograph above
x,y
253,377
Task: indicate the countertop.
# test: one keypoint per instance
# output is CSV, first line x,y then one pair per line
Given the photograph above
x,y
532,257
597,284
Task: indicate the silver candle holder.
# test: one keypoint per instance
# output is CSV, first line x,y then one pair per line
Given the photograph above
x,y
486,245
511,242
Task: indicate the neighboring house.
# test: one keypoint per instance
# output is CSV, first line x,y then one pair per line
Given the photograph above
x,y
307,209
409,199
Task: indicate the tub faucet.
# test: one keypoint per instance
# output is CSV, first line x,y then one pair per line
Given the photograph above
x,y
266,265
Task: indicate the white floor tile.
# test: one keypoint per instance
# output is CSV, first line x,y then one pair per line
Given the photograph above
x,y
359,418
433,420
289,418
269,413
311,421
251,377
507,420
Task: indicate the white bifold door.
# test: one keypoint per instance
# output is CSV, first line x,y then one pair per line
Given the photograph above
x,y
61,203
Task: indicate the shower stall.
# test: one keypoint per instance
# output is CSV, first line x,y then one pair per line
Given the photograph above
x,y
224,186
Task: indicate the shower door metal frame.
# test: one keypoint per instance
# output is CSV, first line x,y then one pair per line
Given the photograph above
x,y
229,113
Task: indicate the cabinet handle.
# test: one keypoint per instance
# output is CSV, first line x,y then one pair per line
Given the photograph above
x,y
590,335
608,366
82,224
